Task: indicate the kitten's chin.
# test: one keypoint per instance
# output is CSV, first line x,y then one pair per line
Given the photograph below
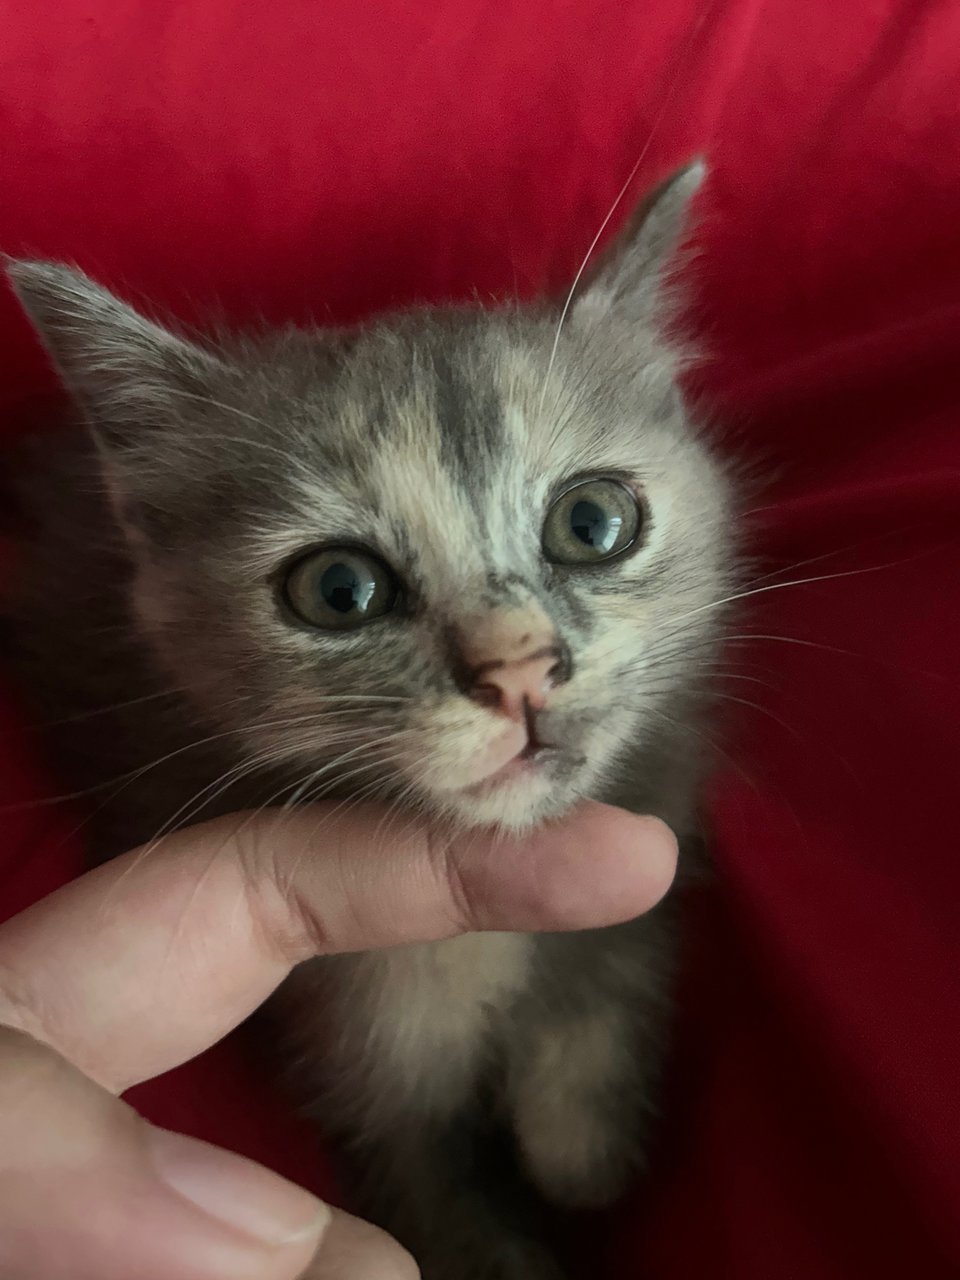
x,y
518,797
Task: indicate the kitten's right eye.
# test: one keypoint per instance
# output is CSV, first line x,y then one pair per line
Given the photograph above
x,y
340,588
592,521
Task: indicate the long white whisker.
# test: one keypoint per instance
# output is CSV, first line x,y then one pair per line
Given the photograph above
x,y
777,586
113,706
312,793
251,764
330,766
135,774
236,832
618,200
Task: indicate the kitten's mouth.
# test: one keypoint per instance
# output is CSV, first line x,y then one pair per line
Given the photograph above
x,y
533,759
517,765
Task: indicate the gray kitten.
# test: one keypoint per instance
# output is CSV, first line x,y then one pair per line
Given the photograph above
x,y
459,558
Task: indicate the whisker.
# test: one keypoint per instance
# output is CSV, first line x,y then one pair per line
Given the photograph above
x,y
114,706
314,793
330,766
780,586
235,833
658,120
195,804
135,775
348,803
273,755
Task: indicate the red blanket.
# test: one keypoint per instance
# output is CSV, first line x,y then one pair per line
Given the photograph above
x,y
298,158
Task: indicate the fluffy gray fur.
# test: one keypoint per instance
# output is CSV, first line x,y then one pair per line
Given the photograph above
x,y
148,630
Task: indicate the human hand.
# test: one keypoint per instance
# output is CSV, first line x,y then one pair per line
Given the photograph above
x,y
143,963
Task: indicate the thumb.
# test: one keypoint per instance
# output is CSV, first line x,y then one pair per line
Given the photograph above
x,y
90,1191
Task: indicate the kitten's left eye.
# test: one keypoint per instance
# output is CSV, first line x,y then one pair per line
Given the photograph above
x,y
339,588
592,521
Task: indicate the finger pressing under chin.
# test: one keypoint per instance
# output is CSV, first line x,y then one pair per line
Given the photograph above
x,y
141,964
90,1191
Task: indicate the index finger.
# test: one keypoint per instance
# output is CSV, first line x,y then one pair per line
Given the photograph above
x,y
144,962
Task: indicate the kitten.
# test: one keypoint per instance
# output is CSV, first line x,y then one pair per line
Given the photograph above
x,y
461,558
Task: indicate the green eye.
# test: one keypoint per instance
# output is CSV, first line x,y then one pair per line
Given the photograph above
x,y
592,521
340,588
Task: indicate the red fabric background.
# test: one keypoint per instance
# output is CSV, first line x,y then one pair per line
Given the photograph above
x,y
300,158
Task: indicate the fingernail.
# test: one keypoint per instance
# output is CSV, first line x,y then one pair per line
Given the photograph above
x,y
236,1191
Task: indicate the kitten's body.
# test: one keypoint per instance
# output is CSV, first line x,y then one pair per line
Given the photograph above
x,y
438,436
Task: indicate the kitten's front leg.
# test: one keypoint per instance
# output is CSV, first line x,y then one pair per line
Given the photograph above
x,y
397,1048
585,1057
446,1190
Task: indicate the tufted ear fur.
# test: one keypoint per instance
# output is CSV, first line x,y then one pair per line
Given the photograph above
x,y
127,373
629,278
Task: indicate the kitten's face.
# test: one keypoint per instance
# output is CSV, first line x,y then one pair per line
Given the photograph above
x,y
407,558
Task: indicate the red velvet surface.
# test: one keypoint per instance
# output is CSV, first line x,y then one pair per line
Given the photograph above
x,y
301,159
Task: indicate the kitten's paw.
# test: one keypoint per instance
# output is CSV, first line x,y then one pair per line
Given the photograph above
x,y
580,1107
577,1161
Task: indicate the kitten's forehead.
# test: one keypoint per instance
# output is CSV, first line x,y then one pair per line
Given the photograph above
x,y
442,437
423,452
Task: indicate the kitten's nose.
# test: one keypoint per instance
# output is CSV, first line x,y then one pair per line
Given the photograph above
x,y
512,660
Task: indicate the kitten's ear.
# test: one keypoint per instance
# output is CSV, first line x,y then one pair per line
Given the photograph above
x,y
127,373
629,277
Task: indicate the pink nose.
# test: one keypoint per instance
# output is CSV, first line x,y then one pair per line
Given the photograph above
x,y
513,687
513,662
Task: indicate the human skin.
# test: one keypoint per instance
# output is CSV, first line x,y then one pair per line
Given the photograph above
x,y
143,963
